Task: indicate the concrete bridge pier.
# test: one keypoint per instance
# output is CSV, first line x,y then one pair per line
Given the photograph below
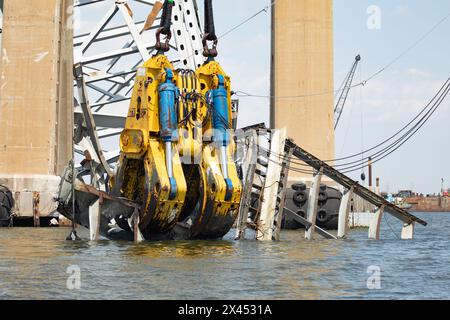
x,y
36,101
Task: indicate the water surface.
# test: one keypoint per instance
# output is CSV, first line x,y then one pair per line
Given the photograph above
x,y
34,264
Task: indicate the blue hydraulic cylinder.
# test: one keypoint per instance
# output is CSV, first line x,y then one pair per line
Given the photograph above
x,y
168,122
220,115
218,98
168,95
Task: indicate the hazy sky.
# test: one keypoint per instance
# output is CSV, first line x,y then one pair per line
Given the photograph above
x,y
374,112
384,105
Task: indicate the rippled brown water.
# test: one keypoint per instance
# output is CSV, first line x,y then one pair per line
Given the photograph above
x,y
33,265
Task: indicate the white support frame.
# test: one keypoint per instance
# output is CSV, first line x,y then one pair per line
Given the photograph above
x,y
249,144
313,204
267,216
134,31
94,220
375,224
134,224
408,231
344,212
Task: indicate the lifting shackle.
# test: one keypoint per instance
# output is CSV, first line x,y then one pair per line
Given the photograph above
x,y
164,28
210,32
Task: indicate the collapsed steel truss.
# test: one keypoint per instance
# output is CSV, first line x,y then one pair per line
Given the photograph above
x,y
251,211
106,57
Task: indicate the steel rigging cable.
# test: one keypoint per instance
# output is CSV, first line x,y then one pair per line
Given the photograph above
x,y
412,134
362,83
265,9
380,155
244,94
420,123
439,93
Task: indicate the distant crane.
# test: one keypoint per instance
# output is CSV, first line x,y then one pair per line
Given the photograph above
x,y
345,89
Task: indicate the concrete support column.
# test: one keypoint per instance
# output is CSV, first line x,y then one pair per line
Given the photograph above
x,y
302,65
36,97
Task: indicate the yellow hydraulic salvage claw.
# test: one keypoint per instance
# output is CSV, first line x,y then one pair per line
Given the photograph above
x,y
150,170
223,187
207,145
177,149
